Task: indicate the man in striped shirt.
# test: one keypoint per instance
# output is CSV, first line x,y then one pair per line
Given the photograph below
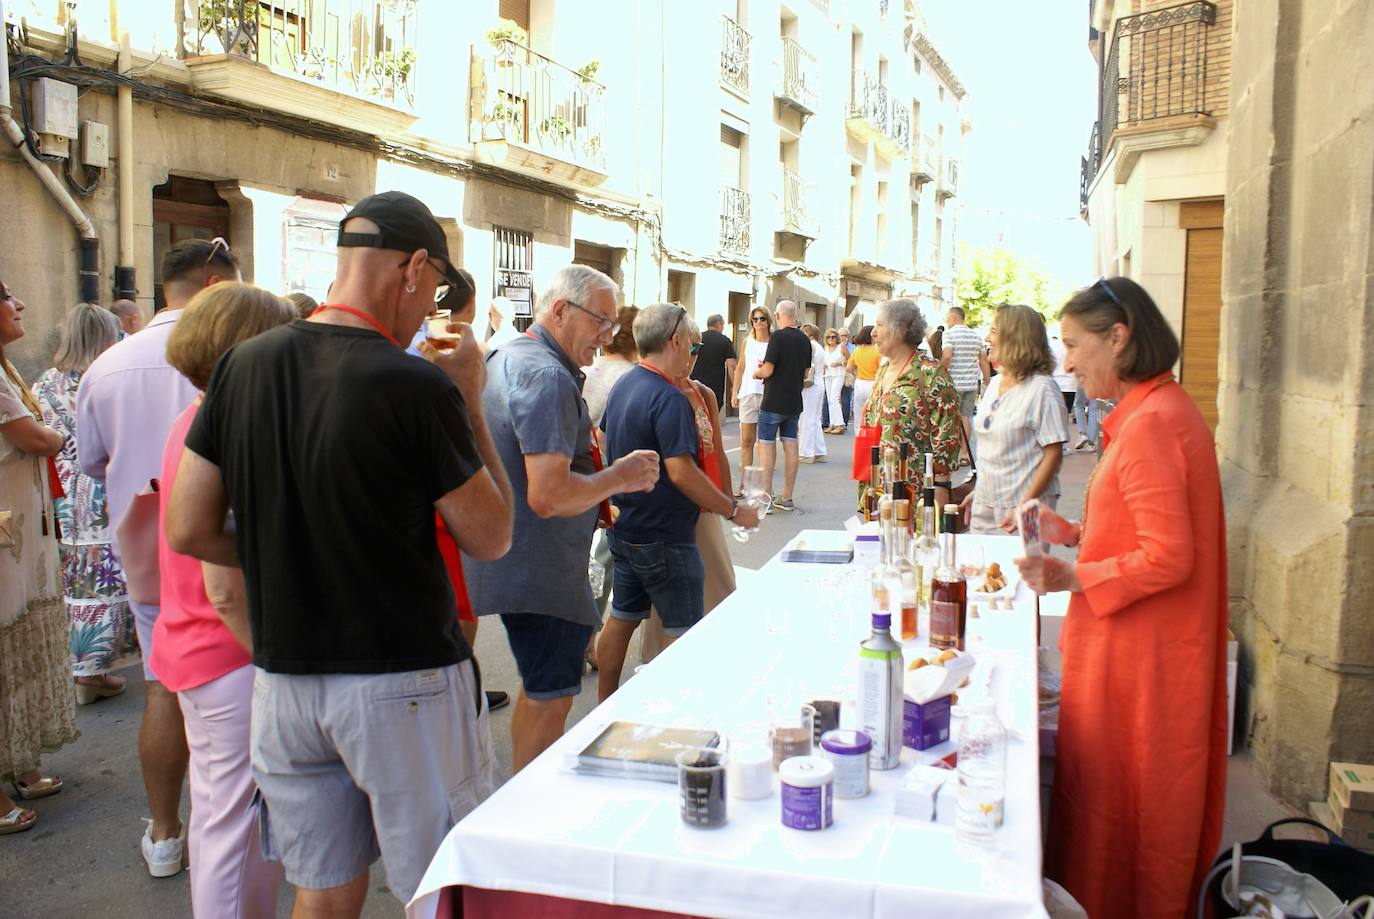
x,y
966,362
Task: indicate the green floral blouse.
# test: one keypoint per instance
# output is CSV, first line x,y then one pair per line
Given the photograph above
x,y
921,409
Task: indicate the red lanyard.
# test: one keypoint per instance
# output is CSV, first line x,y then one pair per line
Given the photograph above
x,y
652,369
361,315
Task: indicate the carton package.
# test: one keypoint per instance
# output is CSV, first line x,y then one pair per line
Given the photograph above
x,y
1360,839
926,703
1347,818
1353,785
929,793
925,725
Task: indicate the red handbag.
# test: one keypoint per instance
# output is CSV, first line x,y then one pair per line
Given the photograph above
x,y
864,442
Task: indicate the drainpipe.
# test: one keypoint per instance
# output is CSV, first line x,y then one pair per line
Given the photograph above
x,y
90,243
124,268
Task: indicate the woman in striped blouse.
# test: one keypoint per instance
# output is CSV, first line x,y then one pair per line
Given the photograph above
x,y
1021,424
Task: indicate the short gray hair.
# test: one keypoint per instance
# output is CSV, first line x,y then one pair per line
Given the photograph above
x,y
86,331
904,312
714,319
577,284
655,324
787,308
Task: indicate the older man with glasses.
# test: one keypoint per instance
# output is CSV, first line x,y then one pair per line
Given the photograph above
x,y
543,433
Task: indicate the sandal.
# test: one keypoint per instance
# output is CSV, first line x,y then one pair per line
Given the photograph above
x,y
86,693
44,787
17,821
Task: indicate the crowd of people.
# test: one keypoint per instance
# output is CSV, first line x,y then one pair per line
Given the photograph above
x,y
217,491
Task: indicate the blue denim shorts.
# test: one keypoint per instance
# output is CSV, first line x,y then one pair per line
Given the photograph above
x,y
773,426
549,653
669,577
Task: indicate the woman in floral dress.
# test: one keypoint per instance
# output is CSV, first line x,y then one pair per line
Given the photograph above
x,y
36,712
912,402
102,631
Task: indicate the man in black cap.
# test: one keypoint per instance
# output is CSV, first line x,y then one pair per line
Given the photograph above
x,y
333,448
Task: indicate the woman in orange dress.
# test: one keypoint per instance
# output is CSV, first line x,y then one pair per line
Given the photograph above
x,y
1140,776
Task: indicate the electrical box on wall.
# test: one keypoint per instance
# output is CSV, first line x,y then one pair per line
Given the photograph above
x,y
95,144
54,115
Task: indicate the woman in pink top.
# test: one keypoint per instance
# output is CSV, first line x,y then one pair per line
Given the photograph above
x,y
201,645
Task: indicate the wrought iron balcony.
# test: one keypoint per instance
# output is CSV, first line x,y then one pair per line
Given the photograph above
x,y
797,196
800,78
949,179
523,98
734,221
1088,168
883,8
362,47
1157,66
925,161
734,55
899,135
870,110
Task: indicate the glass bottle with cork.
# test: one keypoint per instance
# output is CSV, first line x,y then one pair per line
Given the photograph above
x,y
948,591
925,549
873,491
906,582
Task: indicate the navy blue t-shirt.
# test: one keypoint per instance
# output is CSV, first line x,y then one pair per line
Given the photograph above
x,y
646,412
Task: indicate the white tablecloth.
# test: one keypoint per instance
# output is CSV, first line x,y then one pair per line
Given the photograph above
x,y
793,633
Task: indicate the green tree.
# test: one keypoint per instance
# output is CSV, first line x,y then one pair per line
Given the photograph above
x,y
989,277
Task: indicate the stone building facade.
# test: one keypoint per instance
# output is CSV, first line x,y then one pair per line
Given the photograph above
x,y
539,131
1296,438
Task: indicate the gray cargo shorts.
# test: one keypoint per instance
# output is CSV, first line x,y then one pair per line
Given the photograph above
x,y
350,766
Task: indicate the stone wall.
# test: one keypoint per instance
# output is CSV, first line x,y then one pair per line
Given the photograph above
x,y
1297,387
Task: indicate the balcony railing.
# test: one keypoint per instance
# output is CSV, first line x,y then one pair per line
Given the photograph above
x,y
799,77
926,160
796,206
1088,168
734,221
868,100
950,185
364,47
900,132
734,55
531,100
1157,66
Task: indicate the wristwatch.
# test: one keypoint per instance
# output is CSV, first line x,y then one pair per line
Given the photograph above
x,y
734,508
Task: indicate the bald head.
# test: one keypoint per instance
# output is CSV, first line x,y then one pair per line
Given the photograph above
x,y
786,313
129,315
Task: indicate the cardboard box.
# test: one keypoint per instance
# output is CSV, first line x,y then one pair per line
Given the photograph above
x,y
1347,818
1353,784
925,725
1360,839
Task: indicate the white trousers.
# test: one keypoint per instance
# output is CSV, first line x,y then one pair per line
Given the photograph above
x,y
810,438
833,386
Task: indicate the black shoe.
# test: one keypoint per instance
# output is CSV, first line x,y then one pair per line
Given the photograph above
x,y
497,699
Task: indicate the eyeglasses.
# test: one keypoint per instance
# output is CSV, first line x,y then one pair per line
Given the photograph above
x,y
443,288
1102,282
987,419
215,245
604,325
758,318
696,347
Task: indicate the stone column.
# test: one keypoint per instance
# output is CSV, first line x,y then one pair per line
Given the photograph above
x,y
1296,436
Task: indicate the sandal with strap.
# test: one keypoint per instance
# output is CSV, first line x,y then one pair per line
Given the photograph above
x,y
17,821
44,787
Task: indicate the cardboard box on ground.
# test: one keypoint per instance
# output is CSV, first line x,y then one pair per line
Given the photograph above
x,y
1348,810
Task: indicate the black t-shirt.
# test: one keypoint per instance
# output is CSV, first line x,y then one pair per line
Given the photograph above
x,y
716,349
789,351
334,445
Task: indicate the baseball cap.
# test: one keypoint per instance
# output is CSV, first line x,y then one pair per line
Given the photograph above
x,y
405,225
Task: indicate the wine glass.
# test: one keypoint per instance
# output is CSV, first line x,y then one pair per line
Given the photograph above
x,y
755,492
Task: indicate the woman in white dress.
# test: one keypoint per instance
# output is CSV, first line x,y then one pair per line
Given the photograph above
x,y
811,439
833,378
746,392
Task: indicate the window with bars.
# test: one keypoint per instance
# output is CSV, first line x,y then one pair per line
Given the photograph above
x,y
514,264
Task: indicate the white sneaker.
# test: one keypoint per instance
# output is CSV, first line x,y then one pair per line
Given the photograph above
x,y
1082,442
164,858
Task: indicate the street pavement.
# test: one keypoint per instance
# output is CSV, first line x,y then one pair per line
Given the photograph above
x,y
83,856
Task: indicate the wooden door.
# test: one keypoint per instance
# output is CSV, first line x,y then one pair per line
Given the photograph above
x,y
1201,339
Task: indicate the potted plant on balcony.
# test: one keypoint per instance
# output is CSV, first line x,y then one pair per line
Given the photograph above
x,y
392,71
556,128
507,30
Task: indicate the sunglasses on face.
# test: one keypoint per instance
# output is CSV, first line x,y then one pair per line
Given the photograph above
x,y
760,319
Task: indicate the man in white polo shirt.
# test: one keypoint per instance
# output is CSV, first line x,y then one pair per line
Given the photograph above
x,y
966,362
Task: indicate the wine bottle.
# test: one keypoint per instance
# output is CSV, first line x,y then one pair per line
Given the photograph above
x,y
906,583
926,549
948,591
874,490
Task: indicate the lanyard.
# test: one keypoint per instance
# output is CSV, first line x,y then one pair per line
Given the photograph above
x,y
652,369
361,315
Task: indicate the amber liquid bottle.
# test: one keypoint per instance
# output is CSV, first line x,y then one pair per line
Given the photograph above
x,y
901,562
948,591
874,492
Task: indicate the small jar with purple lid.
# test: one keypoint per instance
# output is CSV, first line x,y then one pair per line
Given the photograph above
x,y
808,792
847,752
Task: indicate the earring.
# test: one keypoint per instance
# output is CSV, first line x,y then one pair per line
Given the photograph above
x,y
410,289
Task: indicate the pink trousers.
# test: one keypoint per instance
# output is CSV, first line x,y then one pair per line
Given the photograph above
x,y
229,876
